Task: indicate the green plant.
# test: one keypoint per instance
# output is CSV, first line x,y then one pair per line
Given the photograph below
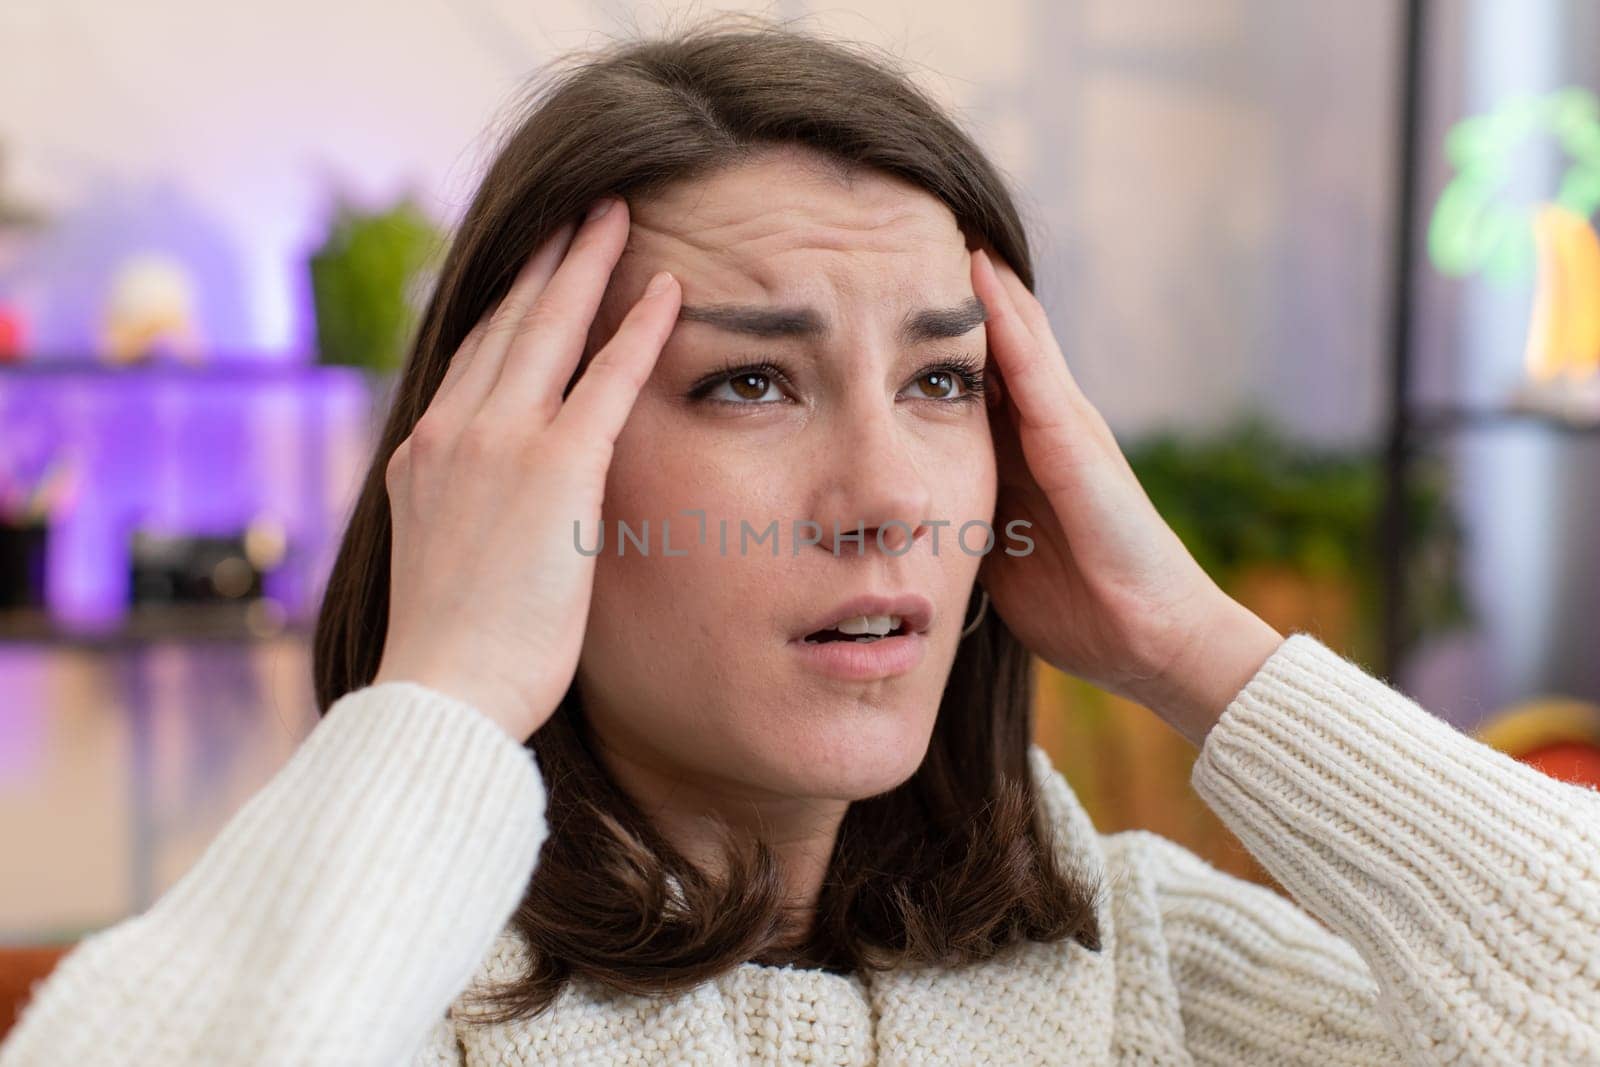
x,y
1250,494
362,280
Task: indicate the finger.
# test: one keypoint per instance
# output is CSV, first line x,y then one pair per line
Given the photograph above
x,y
1023,300
598,406
1010,465
1077,409
1036,384
546,346
476,364
1033,313
458,362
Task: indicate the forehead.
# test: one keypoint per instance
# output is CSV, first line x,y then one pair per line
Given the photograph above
x,y
788,223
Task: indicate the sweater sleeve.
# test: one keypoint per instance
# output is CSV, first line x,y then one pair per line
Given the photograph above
x,y
334,919
1259,982
1466,883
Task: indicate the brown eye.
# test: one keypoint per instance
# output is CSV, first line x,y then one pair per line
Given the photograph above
x,y
747,385
750,386
955,380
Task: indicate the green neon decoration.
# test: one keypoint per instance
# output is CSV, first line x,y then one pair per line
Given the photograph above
x,y
1469,232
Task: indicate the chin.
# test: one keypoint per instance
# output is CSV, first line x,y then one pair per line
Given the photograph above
x,y
850,762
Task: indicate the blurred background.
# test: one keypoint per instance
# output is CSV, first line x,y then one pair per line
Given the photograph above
x,y
1328,270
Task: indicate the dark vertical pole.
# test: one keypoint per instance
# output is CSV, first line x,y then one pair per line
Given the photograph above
x,y
1397,455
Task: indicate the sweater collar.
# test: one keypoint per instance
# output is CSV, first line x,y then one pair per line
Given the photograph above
x,y
1032,1003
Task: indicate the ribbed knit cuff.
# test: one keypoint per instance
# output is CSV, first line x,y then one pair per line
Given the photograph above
x,y
340,911
1462,874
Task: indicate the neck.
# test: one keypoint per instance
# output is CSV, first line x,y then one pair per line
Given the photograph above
x,y
801,830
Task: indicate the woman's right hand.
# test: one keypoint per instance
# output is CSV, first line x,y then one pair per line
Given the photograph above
x,y
488,594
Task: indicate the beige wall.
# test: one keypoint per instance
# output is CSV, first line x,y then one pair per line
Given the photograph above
x,y
1207,179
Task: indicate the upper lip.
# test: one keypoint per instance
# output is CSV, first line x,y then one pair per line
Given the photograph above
x,y
914,609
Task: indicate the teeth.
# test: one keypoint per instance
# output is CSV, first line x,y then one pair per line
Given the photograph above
x,y
881,625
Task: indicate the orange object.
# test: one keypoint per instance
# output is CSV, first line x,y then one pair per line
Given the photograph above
x,y
1557,735
1570,762
20,969
10,335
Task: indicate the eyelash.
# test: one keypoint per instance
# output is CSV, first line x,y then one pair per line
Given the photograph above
x,y
965,369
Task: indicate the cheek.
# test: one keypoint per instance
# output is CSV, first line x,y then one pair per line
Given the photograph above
x,y
659,606
960,471
644,480
665,464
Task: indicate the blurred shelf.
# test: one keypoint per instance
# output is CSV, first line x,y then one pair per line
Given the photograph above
x,y
184,449
226,370
230,622
1438,421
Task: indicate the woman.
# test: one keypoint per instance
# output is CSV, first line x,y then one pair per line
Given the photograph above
x,y
770,833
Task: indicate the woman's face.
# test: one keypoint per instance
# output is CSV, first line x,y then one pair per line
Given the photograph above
x,y
694,666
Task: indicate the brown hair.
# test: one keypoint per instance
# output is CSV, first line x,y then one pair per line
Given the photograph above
x,y
952,865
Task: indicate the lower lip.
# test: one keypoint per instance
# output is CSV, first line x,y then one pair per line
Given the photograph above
x,y
853,661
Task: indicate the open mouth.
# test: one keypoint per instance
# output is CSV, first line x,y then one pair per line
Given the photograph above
x,y
863,629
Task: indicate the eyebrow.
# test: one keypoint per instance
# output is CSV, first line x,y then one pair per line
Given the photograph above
x,y
928,324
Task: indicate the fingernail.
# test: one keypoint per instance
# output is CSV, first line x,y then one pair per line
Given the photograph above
x,y
658,284
599,207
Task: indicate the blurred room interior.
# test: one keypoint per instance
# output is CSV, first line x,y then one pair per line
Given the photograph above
x,y
1329,271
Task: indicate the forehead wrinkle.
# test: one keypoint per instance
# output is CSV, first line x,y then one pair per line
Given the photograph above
x,y
728,244
902,232
808,267
879,225
699,265
783,181
818,300
643,235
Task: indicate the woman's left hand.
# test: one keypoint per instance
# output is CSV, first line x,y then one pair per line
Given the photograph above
x,y
1108,593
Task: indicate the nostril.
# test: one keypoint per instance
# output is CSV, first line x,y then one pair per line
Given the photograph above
x,y
896,538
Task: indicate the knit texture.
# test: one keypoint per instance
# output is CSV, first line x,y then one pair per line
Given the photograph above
x,y
1446,911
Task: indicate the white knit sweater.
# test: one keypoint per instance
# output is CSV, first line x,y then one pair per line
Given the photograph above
x,y
361,894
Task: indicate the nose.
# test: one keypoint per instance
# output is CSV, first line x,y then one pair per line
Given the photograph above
x,y
873,481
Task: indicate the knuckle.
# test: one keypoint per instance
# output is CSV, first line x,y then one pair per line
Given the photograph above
x,y
492,441
398,467
481,441
611,372
427,438
506,315
474,336
537,319
583,457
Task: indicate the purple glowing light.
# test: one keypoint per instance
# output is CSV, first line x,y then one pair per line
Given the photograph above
x,y
186,450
